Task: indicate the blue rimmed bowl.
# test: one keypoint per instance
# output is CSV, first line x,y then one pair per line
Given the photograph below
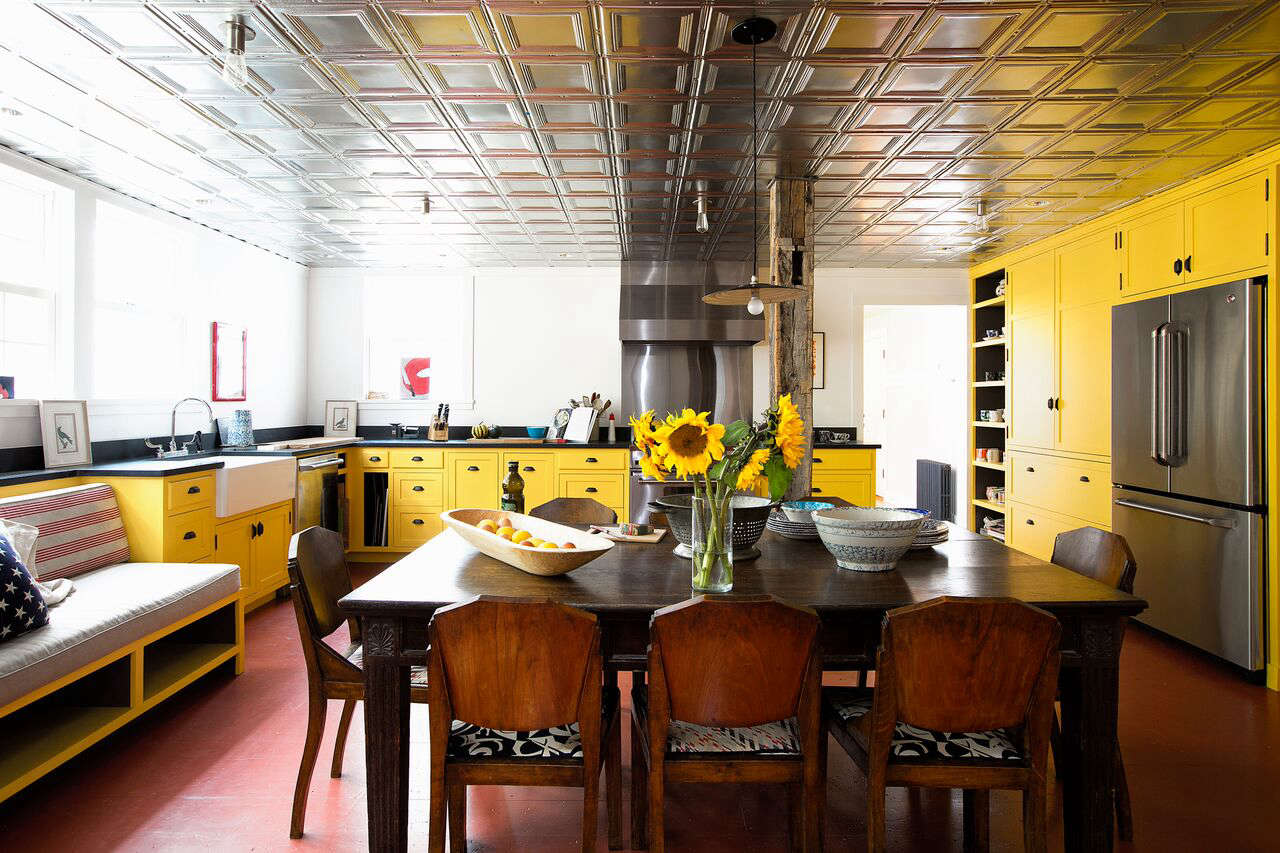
x,y
536,432
867,539
801,512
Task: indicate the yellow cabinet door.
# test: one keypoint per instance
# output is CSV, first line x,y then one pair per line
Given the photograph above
x,y
1227,229
233,543
271,549
1089,270
1084,379
1031,285
858,488
411,529
1033,531
1152,247
538,470
474,481
1031,374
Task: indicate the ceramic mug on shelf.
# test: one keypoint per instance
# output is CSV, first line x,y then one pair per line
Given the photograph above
x,y
993,455
997,415
982,453
991,493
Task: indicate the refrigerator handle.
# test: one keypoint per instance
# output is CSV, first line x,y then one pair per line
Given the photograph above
x,y
1157,408
1185,516
1175,368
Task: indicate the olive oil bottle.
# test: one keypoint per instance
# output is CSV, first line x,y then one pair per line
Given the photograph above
x,y
513,489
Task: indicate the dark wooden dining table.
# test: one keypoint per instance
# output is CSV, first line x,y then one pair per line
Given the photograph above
x,y
628,583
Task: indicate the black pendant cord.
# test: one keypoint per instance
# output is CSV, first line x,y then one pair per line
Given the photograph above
x,y
755,154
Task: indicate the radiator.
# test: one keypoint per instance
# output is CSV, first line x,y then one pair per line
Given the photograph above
x,y
933,488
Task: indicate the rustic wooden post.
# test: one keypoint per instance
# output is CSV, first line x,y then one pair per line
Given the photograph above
x,y
791,323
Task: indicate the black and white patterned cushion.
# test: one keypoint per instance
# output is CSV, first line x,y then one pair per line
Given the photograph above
x,y
850,703
21,604
471,741
417,674
780,737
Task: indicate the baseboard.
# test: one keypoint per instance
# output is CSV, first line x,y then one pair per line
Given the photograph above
x,y
1273,676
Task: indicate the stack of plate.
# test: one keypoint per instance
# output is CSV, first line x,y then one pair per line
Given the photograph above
x,y
783,526
932,532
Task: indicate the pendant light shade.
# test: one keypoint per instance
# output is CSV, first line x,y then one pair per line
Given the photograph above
x,y
235,69
754,296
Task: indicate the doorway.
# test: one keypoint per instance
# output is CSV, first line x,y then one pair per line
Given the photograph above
x,y
914,374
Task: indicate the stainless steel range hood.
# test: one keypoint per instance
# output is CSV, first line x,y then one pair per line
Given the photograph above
x,y
678,351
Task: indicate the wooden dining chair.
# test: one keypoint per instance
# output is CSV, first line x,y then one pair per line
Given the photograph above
x,y
1107,558
575,511
319,577
963,699
733,696
516,699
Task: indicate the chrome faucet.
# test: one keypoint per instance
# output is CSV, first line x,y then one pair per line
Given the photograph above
x,y
174,449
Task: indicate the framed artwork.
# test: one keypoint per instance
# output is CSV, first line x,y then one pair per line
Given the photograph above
x,y
340,418
6,387
230,362
64,431
415,377
819,360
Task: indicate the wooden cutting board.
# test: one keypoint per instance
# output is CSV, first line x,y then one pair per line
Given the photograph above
x,y
505,440
612,533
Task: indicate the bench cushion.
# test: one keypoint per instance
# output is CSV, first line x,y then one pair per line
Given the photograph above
x,y
80,529
112,607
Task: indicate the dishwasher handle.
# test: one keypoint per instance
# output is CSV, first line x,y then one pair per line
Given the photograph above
x,y
316,466
1173,513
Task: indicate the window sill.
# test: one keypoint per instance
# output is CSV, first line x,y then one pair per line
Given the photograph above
x,y
415,405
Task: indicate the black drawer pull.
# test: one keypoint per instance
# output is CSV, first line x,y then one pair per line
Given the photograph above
x,y
592,459
530,468
473,468
418,489
1030,470
416,459
816,490
591,490
1032,523
1084,478
190,534
1186,265
375,458
1177,266
418,521
194,490
817,460
260,529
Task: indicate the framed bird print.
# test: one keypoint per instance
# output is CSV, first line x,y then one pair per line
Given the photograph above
x,y
64,431
340,418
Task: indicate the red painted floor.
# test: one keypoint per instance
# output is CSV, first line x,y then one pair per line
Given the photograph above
x,y
213,770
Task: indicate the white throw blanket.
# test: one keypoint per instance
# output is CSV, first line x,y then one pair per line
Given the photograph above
x,y
23,538
56,591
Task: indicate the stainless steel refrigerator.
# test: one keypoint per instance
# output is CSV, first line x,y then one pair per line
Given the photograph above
x,y
1188,459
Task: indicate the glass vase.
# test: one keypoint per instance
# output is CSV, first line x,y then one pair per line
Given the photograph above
x,y
712,545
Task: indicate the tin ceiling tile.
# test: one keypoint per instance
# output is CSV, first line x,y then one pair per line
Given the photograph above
x,y
861,33
920,80
455,31
1263,82
467,78
842,80
338,31
558,78
975,116
549,31
1177,30
967,33
651,32
1008,79
1056,115
1073,31
1136,115
1201,76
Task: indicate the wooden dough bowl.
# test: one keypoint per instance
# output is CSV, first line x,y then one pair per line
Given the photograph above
x,y
535,561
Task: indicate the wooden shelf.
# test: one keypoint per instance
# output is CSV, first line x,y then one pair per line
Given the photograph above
x,y
991,505
989,342
995,383
40,743
167,667
991,424
994,466
989,303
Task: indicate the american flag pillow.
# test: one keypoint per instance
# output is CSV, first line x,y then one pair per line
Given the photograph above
x,y
21,605
80,529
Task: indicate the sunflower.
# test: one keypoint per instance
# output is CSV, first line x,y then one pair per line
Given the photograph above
x,y
644,432
688,444
790,436
749,476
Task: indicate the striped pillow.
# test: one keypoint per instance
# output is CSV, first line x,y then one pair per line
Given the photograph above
x,y
80,529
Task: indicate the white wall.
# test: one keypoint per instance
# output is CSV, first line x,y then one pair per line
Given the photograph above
x,y
226,280
541,336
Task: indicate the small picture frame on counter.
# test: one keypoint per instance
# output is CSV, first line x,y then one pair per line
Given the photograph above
x,y
64,431
340,418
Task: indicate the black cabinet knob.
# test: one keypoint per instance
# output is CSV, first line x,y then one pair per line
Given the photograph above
x,y
418,521
190,534
1030,522
592,459
194,490
418,489
1030,470
416,459
1177,266
473,468
1084,478
1186,265
261,530
1049,403
591,490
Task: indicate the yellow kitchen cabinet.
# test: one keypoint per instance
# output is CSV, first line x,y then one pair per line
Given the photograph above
x,y
1153,250
417,457
592,459
1083,401
858,489
1032,385
1226,229
1031,285
538,470
1089,270
233,543
165,520
258,542
418,488
474,480
409,529
1077,488
374,457
188,536
1033,530
609,489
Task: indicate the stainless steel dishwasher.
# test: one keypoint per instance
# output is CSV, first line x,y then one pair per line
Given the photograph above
x,y
322,492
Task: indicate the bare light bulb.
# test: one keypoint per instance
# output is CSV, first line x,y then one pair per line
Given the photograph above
x,y
426,210
755,305
703,225
235,70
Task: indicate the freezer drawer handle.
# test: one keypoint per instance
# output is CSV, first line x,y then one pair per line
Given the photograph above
x,y
1185,516
1030,470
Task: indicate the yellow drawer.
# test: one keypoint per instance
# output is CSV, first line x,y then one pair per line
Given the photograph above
x,y
411,529
538,470
857,489
417,457
374,457
608,489
593,460
843,460
188,493
425,489
474,480
1067,486
1033,530
188,537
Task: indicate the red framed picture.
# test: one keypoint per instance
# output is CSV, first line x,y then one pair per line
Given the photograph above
x,y
230,362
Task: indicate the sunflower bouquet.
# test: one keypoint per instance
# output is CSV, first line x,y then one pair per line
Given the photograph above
x,y
721,460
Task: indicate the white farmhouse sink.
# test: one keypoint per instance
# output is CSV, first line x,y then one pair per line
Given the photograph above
x,y
248,482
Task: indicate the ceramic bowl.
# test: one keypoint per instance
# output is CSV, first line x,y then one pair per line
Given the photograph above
x,y
801,512
536,432
867,539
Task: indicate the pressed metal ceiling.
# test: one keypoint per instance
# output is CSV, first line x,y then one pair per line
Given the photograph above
x,y
569,133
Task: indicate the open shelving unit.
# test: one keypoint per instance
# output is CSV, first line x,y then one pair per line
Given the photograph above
x,y
988,376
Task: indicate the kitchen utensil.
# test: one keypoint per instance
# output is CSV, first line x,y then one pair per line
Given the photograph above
x,y
749,516
617,534
535,561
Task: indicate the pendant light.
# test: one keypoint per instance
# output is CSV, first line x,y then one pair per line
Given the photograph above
x,y
235,70
754,31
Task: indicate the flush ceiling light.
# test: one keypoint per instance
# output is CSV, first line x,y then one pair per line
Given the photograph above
x,y
981,220
235,70
755,296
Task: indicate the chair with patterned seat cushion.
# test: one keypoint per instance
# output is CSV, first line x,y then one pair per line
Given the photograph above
x,y
733,696
319,577
517,698
963,699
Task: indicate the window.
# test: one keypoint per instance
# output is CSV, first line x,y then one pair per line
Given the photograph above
x,y
34,225
410,320
140,317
